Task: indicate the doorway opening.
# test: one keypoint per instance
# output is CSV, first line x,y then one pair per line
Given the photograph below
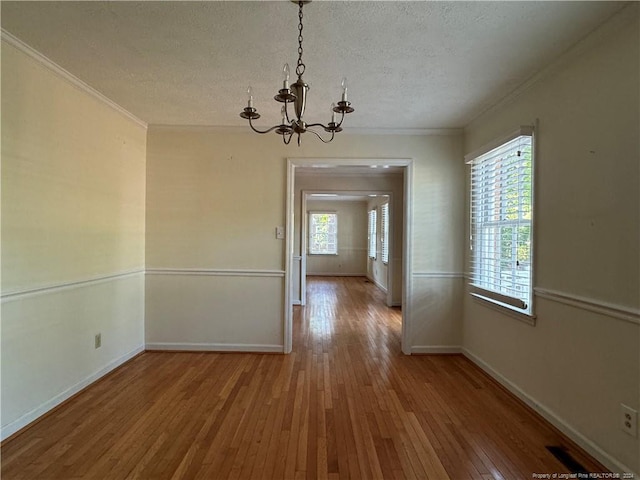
x,y
310,181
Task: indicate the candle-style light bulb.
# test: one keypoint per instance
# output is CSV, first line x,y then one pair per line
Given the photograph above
x,y
333,114
250,96
344,89
286,73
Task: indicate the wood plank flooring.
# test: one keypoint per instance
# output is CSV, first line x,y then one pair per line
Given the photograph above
x,y
345,404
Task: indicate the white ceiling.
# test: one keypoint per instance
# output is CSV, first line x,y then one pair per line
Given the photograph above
x,y
411,65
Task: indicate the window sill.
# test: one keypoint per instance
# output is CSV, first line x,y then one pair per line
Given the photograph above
x,y
322,254
505,309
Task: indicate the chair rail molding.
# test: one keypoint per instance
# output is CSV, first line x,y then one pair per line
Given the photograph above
x,y
620,312
29,292
216,272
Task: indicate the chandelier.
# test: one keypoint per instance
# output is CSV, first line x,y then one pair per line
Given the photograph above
x,y
297,94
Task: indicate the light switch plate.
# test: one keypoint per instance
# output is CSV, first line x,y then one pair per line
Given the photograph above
x,y
280,233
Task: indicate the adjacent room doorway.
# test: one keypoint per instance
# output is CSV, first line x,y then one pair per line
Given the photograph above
x,y
354,259
348,177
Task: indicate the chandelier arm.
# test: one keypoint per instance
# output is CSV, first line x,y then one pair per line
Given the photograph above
x,y
286,112
317,125
326,128
287,142
322,139
266,131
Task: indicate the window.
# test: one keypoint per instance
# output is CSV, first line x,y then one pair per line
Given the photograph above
x,y
323,233
501,227
384,241
373,218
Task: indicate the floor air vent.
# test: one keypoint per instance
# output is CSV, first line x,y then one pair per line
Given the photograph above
x,y
566,459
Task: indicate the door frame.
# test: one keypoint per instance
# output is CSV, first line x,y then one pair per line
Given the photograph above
x,y
292,164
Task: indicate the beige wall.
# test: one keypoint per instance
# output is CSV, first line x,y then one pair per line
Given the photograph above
x,y
214,200
576,365
74,177
352,239
73,186
213,203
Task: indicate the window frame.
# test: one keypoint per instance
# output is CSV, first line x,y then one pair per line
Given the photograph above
x,y
384,237
509,304
310,233
372,233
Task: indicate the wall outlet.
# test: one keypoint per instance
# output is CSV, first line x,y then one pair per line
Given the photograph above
x,y
628,420
98,340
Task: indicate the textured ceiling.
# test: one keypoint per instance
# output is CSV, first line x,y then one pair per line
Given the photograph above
x,y
410,65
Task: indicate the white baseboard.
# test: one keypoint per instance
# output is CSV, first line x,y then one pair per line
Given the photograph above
x,y
26,419
377,284
215,347
435,349
551,417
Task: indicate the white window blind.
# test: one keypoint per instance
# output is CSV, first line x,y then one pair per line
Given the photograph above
x,y
323,233
372,233
384,241
501,222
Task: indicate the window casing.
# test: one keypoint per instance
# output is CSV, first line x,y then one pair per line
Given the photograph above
x,y
502,222
384,238
323,233
373,239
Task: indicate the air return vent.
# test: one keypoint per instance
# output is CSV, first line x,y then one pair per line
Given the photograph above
x,y
566,459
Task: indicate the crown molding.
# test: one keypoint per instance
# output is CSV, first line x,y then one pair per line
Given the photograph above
x,y
614,23
238,129
229,129
66,75
404,131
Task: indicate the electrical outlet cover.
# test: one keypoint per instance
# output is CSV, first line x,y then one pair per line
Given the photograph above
x,y
629,420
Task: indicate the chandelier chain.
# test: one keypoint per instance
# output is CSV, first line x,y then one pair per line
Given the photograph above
x,y
300,67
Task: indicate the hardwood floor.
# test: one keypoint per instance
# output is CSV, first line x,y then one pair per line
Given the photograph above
x,y
345,404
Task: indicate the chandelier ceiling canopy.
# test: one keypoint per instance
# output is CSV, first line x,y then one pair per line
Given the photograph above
x,y
296,94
